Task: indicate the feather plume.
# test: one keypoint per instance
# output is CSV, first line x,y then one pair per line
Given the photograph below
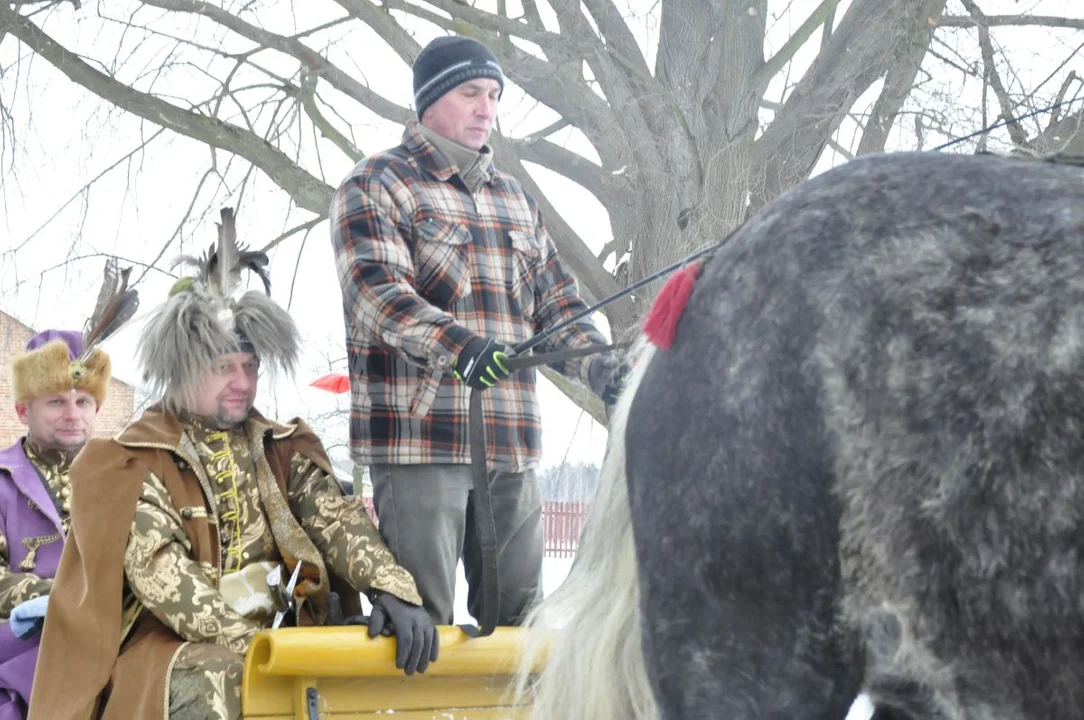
x,y
256,262
223,272
116,304
219,268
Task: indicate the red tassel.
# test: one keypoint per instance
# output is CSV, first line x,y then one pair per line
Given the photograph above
x,y
662,320
333,382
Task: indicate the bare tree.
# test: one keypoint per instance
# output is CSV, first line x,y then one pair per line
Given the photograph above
x,y
679,117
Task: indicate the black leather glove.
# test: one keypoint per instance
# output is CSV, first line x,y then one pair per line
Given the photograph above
x,y
481,363
416,638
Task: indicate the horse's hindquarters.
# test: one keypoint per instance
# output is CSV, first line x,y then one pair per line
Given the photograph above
x,y
877,384
951,356
735,521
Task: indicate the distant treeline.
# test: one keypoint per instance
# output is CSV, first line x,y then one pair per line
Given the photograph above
x,y
569,481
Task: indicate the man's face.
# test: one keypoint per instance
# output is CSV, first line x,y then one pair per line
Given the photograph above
x,y
59,422
228,389
466,113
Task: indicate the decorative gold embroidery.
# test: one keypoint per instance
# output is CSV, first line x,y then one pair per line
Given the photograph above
x,y
162,575
243,529
53,466
344,534
228,499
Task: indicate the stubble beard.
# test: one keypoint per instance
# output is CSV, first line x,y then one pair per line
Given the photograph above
x,y
57,445
226,419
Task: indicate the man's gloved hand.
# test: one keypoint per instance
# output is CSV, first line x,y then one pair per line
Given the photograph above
x,y
481,363
607,376
417,642
28,617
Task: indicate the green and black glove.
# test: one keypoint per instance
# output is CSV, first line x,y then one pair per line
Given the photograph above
x,y
481,364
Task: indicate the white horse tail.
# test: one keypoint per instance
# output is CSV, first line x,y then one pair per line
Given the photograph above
x,y
589,628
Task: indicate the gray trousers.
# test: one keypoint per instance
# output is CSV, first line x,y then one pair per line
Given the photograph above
x,y
426,515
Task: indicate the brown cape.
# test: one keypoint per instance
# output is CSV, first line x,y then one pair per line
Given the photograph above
x,y
90,664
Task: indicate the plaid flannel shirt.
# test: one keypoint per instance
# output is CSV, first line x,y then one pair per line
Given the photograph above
x,y
425,266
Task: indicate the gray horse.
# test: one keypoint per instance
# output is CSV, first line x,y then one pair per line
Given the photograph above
x,y
858,468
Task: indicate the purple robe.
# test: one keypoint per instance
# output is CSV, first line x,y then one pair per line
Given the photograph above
x,y
26,511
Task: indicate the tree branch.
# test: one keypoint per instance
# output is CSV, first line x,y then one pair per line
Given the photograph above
x,y
327,130
578,394
620,88
1012,20
826,30
305,226
184,218
381,21
1055,114
619,39
530,12
86,186
311,60
307,191
861,50
1016,132
558,124
572,165
823,14
899,82
494,23
90,256
1063,136
832,143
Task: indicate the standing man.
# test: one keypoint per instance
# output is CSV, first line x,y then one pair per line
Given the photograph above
x,y
182,521
57,398
445,263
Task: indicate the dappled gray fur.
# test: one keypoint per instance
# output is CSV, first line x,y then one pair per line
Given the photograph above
x,y
861,464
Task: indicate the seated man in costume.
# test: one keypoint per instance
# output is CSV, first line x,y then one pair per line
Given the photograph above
x,y
180,522
59,384
58,411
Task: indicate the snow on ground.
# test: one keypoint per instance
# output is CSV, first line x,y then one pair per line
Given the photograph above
x,y
554,571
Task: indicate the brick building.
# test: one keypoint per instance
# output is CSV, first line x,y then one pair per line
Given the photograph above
x,y
116,412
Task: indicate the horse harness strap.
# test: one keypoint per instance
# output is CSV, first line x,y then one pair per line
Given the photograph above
x,y
485,525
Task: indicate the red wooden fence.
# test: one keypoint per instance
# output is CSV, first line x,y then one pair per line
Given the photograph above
x,y
562,523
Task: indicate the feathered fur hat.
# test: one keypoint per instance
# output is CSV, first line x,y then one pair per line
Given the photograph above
x,y
58,361
203,318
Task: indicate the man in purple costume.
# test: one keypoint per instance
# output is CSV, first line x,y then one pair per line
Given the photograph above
x,y
58,390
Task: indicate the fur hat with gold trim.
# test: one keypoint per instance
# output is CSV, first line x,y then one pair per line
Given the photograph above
x,y
206,315
58,361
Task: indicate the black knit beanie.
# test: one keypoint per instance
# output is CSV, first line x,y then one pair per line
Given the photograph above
x,y
447,62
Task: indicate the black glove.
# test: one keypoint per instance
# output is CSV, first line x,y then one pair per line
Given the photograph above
x,y
607,376
481,363
417,641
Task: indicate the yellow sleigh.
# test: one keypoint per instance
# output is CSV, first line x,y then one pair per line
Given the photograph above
x,y
339,672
